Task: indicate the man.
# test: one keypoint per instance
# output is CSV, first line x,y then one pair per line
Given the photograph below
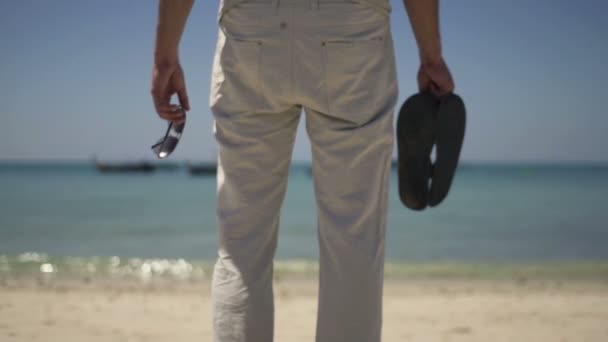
x,y
334,59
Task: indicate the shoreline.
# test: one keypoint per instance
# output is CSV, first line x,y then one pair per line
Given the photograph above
x,y
43,268
427,279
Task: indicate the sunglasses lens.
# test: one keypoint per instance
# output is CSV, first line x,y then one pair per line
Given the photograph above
x,y
167,144
164,147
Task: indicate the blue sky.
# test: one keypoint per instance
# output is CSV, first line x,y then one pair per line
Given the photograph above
x,y
75,75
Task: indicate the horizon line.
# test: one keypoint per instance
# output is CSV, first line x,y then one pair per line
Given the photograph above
x,y
466,162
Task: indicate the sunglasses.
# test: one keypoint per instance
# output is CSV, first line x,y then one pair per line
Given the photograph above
x,y
167,144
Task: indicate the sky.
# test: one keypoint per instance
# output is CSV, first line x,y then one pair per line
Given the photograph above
x,y
75,79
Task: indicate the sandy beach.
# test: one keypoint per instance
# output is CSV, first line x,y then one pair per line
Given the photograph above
x,y
416,310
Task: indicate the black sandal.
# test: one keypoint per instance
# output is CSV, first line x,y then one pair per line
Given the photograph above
x,y
451,122
425,120
415,138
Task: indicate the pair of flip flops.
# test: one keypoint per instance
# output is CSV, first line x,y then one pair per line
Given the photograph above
x,y
426,120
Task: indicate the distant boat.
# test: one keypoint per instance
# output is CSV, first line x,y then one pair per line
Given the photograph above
x,y
141,167
203,169
167,166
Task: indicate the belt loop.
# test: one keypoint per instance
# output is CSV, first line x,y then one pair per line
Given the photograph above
x,y
313,4
276,5
316,3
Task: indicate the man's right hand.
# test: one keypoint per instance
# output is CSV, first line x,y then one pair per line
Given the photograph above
x,y
434,75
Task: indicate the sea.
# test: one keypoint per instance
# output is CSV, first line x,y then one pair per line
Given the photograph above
x,y
68,218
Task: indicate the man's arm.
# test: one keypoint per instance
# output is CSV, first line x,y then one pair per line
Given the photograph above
x,y
172,17
168,76
424,18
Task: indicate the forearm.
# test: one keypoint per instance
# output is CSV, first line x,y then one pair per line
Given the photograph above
x,y
172,18
424,17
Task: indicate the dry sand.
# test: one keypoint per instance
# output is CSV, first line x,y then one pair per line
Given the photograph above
x,y
430,310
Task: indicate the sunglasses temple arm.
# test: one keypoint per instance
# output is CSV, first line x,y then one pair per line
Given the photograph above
x,y
158,143
168,129
165,138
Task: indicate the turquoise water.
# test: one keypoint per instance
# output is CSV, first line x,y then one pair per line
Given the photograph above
x,y
495,213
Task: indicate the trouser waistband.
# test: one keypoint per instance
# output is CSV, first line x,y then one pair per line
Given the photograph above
x,y
312,4
225,5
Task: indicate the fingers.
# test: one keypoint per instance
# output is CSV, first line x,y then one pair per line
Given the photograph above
x,y
436,78
442,80
165,82
172,113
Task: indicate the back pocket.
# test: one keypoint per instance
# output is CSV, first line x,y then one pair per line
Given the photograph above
x,y
241,62
357,73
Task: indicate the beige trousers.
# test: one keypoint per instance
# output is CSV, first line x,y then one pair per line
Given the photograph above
x,y
335,60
